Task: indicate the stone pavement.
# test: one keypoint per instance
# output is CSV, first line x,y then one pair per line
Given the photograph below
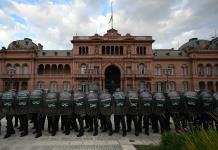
x,y
71,142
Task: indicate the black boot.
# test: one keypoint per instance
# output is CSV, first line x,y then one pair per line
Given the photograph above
x,y
80,134
7,136
38,135
23,134
95,133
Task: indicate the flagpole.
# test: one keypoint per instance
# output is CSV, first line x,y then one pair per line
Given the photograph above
x,y
112,22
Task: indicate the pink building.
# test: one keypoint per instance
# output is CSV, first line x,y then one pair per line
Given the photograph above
x,y
110,61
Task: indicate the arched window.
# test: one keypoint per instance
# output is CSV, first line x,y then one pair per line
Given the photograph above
x,y
80,51
201,85
141,69
17,69
171,70
60,69
112,50
158,69
158,86
185,86
47,69
103,50
66,86
67,69
172,86
108,50
121,50
117,50
54,69
83,69
138,52
216,70
142,85
53,86
210,86
200,70
8,66
208,70
41,69
184,70
40,85
25,69
87,50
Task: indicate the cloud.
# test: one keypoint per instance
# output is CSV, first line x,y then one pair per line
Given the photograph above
x,y
54,22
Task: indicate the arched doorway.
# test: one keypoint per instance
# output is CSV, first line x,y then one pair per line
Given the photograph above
x,y
112,78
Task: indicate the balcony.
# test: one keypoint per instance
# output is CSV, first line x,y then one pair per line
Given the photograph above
x,y
15,76
87,75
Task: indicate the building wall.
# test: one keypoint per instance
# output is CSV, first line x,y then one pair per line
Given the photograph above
x,y
64,72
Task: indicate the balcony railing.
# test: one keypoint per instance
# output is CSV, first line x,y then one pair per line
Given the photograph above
x,y
16,76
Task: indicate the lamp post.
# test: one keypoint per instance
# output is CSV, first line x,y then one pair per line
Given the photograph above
x,y
11,72
166,83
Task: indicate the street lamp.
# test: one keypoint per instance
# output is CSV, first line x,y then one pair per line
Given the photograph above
x,y
11,72
167,72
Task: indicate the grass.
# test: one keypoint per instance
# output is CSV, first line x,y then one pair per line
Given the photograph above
x,y
198,139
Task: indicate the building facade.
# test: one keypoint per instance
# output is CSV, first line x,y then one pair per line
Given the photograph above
x,y
110,61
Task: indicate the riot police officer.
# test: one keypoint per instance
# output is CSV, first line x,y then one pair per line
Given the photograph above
x,y
120,109
145,108
1,113
191,108
65,109
51,111
92,110
36,109
80,109
206,108
215,109
174,106
133,109
106,109
22,109
8,100
158,110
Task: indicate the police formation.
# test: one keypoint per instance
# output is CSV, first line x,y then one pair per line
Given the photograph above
x,y
79,111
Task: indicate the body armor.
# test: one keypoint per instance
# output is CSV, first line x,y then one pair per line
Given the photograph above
x,y
159,103
174,104
8,103
51,104
66,103
22,102
145,106
106,103
206,102
133,101
92,108
79,103
191,101
120,104
36,101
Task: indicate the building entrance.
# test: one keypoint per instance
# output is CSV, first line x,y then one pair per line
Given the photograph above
x,y
112,78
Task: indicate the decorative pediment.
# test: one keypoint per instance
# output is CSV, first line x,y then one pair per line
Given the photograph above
x,y
112,33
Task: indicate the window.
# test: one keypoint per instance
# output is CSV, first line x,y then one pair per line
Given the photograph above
x,y
209,70
40,85
84,87
141,69
53,87
201,85
184,70
158,70
216,70
108,50
17,69
66,86
185,86
158,86
200,70
83,50
25,69
129,87
210,86
141,50
8,66
112,50
103,50
83,69
170,70
172,86
96,69
121,50
129,70
142,85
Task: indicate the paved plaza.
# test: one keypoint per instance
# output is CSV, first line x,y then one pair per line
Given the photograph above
x,y
71,142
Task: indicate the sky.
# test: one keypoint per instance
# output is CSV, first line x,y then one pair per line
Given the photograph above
x,y
53,23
